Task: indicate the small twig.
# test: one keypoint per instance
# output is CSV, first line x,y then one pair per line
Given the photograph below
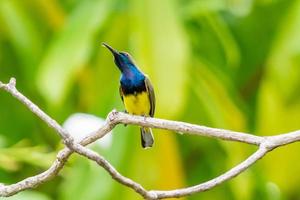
x,y
265,144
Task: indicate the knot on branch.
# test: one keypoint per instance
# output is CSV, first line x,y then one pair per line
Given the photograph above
x,y
151,195
69,142
113,117
269,143
62,156
12,82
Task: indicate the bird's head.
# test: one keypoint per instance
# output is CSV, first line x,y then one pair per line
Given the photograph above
x,y
122,59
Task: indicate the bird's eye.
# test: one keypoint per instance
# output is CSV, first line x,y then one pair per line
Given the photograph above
x,y
125,54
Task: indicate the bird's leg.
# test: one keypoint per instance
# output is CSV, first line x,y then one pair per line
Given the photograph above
x,y
145,117
125,111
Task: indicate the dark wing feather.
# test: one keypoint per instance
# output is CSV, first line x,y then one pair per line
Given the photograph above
x,y
151,94
121,93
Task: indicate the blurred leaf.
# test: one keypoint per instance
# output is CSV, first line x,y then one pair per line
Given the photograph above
x,y
215,95
279,106
226,38
239,8
273,191
71,49
161,53
196,8
85,180
14,156
50,11
29,195
283,63
23,34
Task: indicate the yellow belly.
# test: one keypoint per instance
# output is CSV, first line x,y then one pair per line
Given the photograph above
x,y
138,104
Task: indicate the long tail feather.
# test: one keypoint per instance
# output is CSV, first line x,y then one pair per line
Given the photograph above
x,y
146,137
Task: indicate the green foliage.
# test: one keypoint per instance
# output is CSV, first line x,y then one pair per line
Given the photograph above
x,y
226,64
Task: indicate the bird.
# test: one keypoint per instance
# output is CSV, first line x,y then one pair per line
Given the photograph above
x,y
136,91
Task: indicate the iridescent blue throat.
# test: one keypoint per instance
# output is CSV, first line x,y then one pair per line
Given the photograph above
x,y
132,80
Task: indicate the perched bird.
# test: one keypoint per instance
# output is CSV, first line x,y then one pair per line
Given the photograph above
x,y
136,91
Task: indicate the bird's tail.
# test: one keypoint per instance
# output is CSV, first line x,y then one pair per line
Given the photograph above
x,y
146,137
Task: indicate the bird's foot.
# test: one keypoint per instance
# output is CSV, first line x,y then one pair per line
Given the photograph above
x,y
145,117
125,111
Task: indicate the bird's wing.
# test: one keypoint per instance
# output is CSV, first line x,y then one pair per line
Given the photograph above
x,y
121,93
151,94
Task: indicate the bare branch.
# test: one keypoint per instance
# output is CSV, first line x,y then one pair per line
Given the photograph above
x,y
216,181
265,144
183,127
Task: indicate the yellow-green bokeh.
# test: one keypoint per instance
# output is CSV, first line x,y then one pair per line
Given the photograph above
x,y
231,64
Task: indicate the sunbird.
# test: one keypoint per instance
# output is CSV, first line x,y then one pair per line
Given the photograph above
x,y
136,91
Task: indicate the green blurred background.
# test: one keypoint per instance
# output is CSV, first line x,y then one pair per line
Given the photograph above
x,y
231,64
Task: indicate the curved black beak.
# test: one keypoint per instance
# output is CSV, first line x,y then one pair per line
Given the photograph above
x,y
113,51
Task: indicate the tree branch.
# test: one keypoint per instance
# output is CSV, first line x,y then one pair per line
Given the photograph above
x,y
265,144
216,181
